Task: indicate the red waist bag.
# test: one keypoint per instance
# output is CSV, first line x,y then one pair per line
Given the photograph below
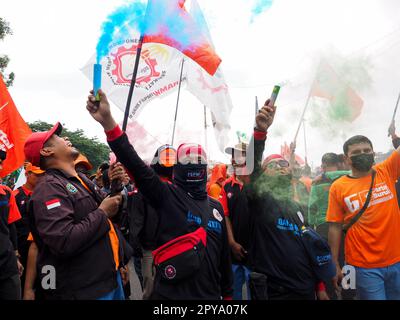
x,y
181,257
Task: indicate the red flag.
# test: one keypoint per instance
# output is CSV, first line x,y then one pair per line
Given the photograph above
x,y
13,132
168,22
345,102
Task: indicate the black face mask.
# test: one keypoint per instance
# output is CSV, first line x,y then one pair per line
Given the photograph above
x,y
362,162
192,178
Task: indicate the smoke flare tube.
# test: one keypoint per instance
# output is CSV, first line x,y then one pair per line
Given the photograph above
x,y
96,80
274,95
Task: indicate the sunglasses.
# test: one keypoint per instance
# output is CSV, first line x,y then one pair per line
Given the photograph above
x,y
278,163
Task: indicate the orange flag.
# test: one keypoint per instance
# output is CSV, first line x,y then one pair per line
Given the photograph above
x,y
13,132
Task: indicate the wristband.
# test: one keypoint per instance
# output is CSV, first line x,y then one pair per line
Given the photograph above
x,y
259,134
114,134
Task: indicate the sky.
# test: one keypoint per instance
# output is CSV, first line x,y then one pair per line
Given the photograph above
x,y
53,40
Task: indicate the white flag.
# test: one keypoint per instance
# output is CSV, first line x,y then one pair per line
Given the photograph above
x,y
21,179
158,73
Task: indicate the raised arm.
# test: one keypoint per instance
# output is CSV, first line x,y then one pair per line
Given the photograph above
x,y
392,133
264,120
145,178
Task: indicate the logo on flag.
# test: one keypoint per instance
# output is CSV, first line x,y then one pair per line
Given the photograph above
x,y
120,65
53,204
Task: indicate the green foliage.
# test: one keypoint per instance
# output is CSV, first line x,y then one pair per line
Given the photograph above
x,y
4,60
94,150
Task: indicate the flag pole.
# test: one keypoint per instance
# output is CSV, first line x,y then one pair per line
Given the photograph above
x,y
133,82
256,111
177,102
305,141
205,129
302,116
135,71
395,111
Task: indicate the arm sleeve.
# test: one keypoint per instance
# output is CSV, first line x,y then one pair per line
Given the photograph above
x,y
392,165
335,212
57,227
145,178
137,214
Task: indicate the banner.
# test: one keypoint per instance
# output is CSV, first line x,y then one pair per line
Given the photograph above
x,y
158,73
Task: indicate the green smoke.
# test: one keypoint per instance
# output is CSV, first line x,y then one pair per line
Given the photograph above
x,y
343,82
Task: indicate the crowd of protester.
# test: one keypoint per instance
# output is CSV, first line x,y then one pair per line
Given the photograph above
x,y
256,228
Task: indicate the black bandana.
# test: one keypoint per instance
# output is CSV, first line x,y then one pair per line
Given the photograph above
x,y
192,178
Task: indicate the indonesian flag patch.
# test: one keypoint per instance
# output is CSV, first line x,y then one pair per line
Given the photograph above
x,y
53,204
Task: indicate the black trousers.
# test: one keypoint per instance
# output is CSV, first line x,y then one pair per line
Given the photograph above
x,y
10,288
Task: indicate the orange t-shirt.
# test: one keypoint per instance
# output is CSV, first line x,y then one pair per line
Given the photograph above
x,y
374,240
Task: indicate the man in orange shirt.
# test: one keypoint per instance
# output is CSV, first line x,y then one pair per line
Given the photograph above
x,y
372,243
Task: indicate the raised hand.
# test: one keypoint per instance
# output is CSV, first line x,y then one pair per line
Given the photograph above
x,y
100,111
265,117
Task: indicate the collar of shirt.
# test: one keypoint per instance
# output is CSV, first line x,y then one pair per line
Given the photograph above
x,y
27,191
233,180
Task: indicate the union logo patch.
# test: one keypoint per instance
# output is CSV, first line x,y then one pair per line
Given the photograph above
x,y
71,188
170,271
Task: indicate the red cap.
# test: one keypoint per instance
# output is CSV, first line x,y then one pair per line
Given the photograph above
x,y
191,150
272,157
35,143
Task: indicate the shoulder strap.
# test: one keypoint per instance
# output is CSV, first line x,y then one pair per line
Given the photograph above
x,y
347,226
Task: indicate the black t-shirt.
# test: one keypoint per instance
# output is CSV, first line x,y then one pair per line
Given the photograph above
x,y
238,213
276,247
180,214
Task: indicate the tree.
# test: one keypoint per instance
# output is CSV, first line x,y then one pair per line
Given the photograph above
x,y
4,59
94,150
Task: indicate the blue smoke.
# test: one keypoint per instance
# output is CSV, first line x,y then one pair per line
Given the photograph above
x,y
164,17
259,7
167,18
117,26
